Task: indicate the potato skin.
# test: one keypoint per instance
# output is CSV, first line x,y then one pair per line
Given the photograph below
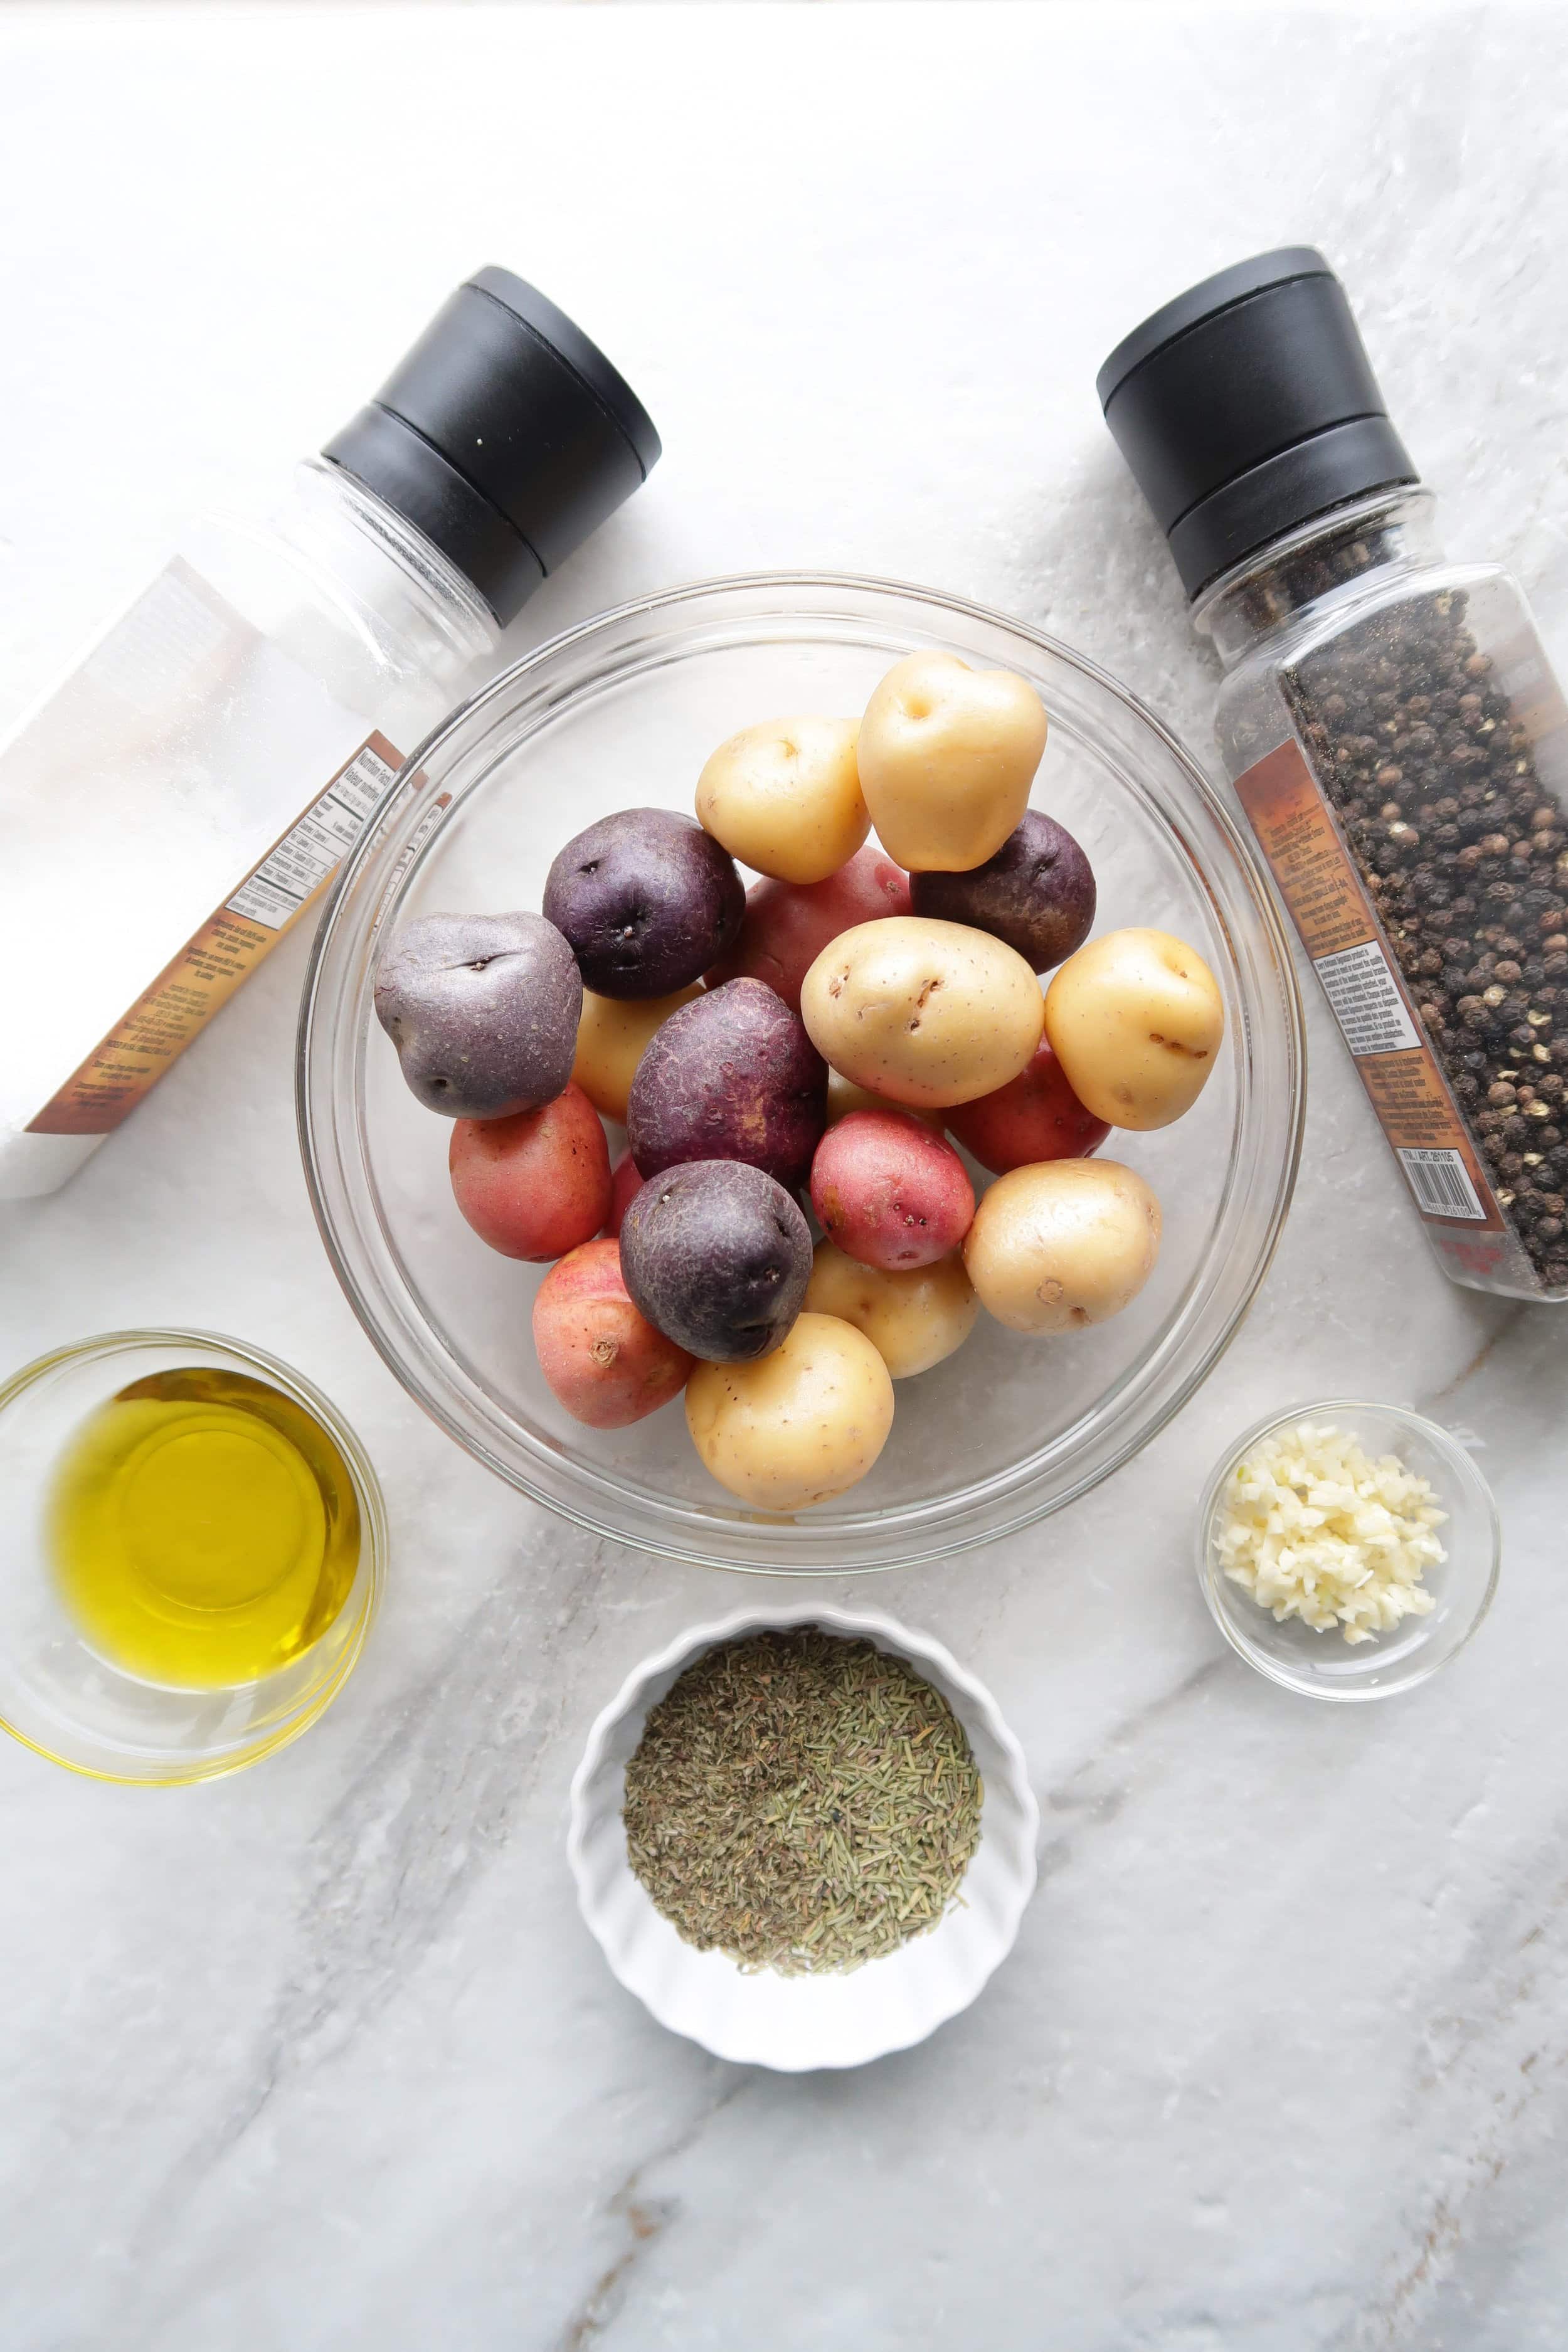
x,y
1035,1116
717,1256
784,797
805,1424
926,1015
889,1192
480,1009
844,1096
604,1362
914,1319
536,1186
645,900
947,755
625,1183
787,924
1038,893
1136,1019
732,1075
612,1038
1055,1248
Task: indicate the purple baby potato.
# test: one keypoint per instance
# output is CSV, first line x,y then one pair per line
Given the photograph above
x,y
483,1009
732,1075
717,1256
1036,893
646,901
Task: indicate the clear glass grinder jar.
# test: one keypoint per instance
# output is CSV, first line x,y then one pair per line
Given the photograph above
x,y
1395,734
189,791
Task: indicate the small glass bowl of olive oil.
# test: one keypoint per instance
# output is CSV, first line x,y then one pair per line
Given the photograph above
x,y
194,1549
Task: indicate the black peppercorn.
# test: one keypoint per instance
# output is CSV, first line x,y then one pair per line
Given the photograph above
x,y
1465,855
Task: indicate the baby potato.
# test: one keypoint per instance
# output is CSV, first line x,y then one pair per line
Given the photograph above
x,y
625,1183
612,1038
608,1366
889,1192
923,1013
732,1076
645,901
784,797
717,1256
1070,1242
482,1010
788,924
1038,893
535,1185
947,755
844,1096
912,1318
798,1426
1135,1019
1036,1116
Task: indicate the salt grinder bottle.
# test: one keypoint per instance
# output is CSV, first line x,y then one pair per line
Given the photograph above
x,y
190,789
1395,734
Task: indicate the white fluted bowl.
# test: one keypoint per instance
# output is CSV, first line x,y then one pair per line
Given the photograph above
x,y
797,2022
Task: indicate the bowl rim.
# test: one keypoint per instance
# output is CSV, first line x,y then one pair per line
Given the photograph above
x,y
1466,1472
917,1650
373,1515
938,1538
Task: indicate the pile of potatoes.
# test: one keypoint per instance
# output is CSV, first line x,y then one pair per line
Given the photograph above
x,y
822,1035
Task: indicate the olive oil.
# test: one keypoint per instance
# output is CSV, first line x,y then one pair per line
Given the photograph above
x,y
203,1529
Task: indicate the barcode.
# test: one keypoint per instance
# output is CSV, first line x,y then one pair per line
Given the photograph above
x,y
1442,1186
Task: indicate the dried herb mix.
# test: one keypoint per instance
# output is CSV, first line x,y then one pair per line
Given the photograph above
x,y
802,1802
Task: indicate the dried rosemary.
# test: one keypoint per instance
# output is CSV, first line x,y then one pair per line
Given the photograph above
x,y
802,1802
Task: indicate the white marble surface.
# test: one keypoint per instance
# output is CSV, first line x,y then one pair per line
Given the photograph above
x,y
321,2057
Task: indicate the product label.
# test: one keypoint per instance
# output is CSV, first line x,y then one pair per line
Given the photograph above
x,y
1334,916
1366,1001
128,1063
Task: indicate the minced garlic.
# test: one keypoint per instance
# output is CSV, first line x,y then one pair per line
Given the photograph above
x,y
1313,1527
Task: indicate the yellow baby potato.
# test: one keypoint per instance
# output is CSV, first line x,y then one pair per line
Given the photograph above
x,y
612,1036
844,1096
797,1426
1135,1019
947,757
913,1318
1064,1244
785,797
921,1013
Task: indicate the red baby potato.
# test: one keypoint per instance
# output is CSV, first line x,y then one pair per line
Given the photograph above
x,y
625,1186
788,924
889,1191
1035,1116
536,1186
604,1361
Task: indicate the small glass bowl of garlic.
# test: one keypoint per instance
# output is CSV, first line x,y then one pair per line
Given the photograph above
x,y
1346,1549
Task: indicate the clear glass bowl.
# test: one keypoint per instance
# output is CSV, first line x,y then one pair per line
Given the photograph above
x,y
64,1700
623,712
1324,1665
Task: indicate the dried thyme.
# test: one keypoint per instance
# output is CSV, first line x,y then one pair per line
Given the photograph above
x,y
802,1802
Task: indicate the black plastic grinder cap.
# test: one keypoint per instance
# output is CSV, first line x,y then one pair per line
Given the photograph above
x,y
1246,406
504,436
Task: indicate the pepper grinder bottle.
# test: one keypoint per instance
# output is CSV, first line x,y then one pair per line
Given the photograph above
x,y
170,810
1395,735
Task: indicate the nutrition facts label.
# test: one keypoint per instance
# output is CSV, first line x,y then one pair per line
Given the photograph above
x,y
128,1063
1366,1000
314,848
